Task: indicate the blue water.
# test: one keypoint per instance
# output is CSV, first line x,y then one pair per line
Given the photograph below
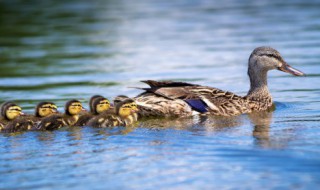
x,y
58,50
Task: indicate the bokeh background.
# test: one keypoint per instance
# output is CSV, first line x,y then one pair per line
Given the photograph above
x,y
58,50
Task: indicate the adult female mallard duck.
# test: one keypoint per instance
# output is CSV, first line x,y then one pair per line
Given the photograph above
x,y
123,114
97,106
11,121
69,118
169,98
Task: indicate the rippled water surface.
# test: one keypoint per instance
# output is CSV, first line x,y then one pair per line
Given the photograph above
x,y
58,50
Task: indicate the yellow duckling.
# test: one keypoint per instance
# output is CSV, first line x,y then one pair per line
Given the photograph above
x,y
123,114
92,100
43,109
121,98
97,106
10,118
69,118
28,122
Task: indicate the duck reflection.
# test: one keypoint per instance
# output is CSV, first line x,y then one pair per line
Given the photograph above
x,y
206,123
261,127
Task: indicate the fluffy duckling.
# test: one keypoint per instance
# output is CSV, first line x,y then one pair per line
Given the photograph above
x,y
10,118
69,118
92,100
97,106
43,109
121,98
123,114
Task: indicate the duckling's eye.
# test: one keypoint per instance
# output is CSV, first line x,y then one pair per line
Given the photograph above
x,y
76,105
15,109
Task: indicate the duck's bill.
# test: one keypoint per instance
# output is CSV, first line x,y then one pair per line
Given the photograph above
x,y
288,69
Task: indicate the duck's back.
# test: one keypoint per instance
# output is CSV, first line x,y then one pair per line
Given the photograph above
x,y
183,99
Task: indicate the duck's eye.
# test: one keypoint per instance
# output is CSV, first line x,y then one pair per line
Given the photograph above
x,y
77,105
15,109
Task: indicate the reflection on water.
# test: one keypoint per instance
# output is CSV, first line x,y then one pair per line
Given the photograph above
x,y
58,50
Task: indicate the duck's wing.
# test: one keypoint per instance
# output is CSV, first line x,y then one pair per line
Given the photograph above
x,y
105,120
201,98
83,119
220,102
153,83
18,125
51,122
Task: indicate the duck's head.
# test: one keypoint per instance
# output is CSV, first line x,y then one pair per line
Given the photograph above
x,y
126,108
44,109
263,59
73,107
100,104
92,108
10,110
119,99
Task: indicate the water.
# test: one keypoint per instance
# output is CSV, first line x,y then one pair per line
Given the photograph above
x,y
52,50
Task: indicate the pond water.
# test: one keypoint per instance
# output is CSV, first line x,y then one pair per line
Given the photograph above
x,y
58,50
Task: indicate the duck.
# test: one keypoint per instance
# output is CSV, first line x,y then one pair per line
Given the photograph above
x,y
69,118
180,99
98,105
121,98
11,120
91,106
28,122
42,109
121,115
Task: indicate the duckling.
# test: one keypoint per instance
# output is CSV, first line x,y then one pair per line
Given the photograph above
x,y
97,106
119,99
69,118
43,109
91,102
123,114
10,118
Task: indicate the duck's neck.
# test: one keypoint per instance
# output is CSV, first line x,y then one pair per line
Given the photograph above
x,y
258,86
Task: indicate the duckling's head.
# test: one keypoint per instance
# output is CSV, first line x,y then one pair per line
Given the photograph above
x,y
10,110
44,109
73,107
126,108
91,102
263,59
100,105
119,99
